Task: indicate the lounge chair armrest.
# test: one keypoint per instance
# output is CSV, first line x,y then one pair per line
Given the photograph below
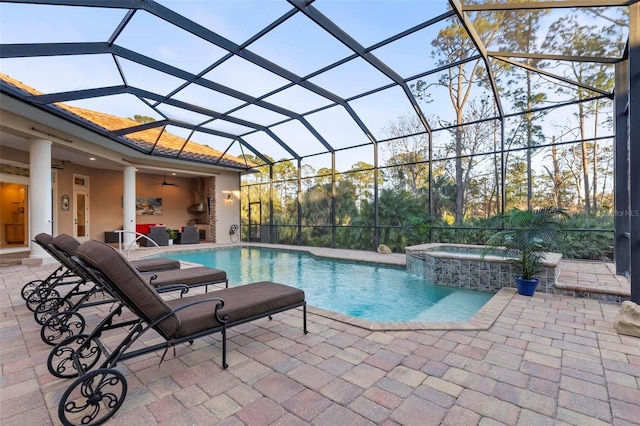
x,y
219,305
182,288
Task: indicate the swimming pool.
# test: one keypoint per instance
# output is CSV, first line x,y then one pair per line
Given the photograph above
x,y
363,290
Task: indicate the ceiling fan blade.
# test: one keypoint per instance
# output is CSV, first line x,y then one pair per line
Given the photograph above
x,y
165,183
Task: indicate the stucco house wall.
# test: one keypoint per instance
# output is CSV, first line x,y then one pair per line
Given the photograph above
x,y
105,198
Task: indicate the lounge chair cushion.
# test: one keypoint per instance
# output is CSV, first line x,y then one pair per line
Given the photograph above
x,y
47,241
66,243
129,283
155,264
240,303
190,276
43,238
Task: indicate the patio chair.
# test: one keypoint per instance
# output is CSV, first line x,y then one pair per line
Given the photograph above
x,y
158,234
97,394
188,235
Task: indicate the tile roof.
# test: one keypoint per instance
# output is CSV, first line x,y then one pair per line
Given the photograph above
x,y
154,141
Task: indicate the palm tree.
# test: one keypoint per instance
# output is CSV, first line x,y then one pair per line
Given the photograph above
x,y
528,235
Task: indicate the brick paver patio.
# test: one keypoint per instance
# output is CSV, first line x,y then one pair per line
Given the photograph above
x,y
543,360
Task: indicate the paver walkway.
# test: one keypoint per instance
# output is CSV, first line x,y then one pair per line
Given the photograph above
x,y
545,360
594,277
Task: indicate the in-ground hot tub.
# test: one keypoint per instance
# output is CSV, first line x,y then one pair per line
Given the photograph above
x,y
461,265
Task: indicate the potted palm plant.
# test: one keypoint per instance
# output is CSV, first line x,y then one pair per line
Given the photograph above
x,y
528,235
172,234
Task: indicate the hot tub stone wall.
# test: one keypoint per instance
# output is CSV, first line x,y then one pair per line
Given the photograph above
x,y
462,266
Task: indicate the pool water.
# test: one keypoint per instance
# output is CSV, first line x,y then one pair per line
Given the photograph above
x,y
369,291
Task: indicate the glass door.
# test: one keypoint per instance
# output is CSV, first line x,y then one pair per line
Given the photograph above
x,y
13,215
81,208
81,213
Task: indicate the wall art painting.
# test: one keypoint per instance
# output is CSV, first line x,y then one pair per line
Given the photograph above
x,y
148,206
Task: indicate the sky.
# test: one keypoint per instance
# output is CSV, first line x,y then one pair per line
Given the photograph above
x,y
297,45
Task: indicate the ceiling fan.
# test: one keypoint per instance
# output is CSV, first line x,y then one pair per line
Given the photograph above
x,y
165,183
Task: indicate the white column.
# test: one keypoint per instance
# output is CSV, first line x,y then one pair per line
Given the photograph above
x,y
40,215
129,204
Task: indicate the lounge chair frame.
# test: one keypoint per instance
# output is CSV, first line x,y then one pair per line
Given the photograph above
x,y
99,393
35,292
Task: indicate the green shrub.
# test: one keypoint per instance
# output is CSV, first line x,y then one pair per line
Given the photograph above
x,y
593,245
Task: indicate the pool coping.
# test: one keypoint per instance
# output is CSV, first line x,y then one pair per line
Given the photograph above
x,y
550,259
482,320
393,259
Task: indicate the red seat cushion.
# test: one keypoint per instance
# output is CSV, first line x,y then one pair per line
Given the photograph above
x,y
143,228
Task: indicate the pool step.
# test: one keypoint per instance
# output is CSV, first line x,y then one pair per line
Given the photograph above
x,y
603,292
592,280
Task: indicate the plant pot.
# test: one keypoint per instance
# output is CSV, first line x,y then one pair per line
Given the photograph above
x,y
526,287
170,242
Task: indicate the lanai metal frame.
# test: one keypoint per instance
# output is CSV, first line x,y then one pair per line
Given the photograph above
x,y
627,232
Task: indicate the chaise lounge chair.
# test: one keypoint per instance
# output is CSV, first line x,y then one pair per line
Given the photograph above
x,y
97,394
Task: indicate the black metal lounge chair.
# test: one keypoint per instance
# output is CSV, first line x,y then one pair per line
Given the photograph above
x,y
59,316
97,394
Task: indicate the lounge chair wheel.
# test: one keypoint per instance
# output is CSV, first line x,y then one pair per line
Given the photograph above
x,y
60,326
93,398
39,295
61,358
28,288
51,307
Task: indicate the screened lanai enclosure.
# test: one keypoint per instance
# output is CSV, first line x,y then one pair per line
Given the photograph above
x,y
368,122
